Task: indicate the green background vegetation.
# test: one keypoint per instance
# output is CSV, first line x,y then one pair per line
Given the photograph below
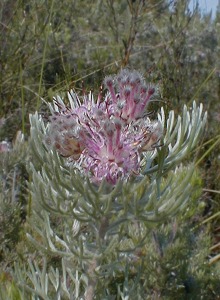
x,y
48,47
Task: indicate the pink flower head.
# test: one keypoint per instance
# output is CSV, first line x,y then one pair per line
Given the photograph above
x,y
106,137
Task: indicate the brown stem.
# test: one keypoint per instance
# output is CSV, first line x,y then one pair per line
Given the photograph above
x,y
135,9
90,291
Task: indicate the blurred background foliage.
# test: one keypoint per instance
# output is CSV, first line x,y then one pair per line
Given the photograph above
x,y
51,46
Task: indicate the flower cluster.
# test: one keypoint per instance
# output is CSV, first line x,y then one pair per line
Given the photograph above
x,y
106,137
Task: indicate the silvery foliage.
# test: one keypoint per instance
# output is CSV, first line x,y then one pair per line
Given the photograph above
x,y
96,230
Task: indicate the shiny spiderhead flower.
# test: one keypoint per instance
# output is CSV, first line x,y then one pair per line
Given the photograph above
x,y
106,138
